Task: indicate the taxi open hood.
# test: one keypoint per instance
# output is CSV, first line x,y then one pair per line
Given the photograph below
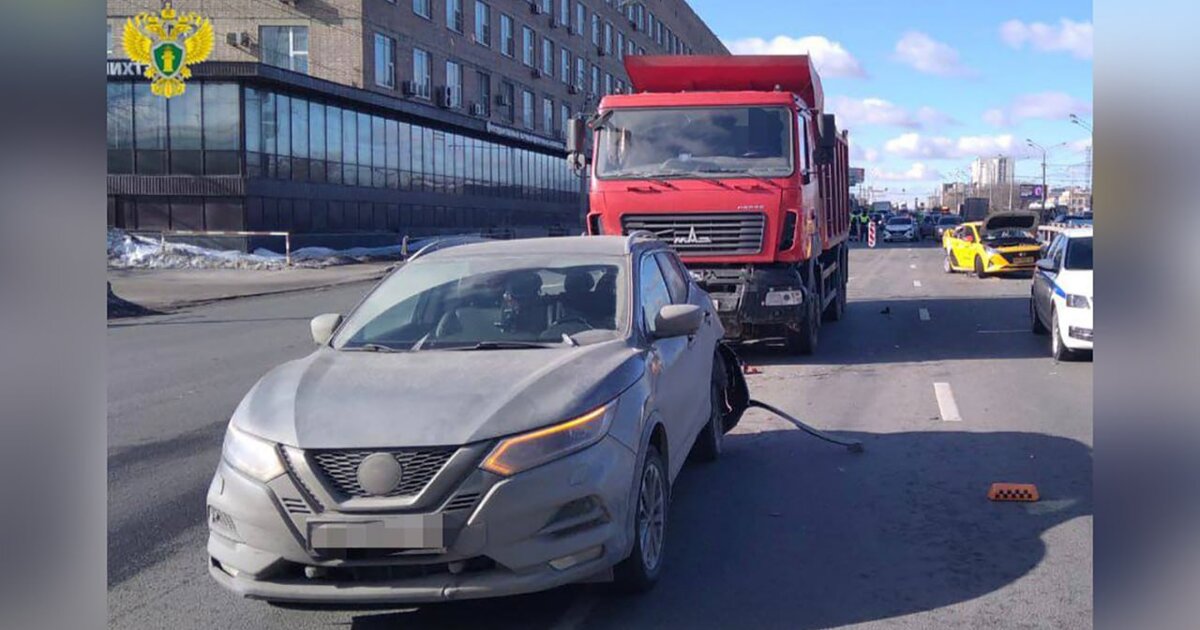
x,y
1010,220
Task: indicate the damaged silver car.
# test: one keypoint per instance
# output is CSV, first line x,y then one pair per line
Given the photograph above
x,y
492,419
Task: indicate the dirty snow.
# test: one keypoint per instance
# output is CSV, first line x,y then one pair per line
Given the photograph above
x,y
127,251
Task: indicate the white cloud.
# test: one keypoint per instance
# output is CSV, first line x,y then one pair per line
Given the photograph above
x,y
1069,36
858,112
917,172
860,153
1041,105
930,56
915,145
830,58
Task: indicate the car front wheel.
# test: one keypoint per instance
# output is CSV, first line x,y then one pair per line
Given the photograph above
x,y
1058,349
947,264
640,571
979,272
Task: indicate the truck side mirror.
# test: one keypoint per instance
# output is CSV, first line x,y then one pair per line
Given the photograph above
x,y
826,138
576,135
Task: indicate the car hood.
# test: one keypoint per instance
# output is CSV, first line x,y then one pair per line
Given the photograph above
x,y
899,228
1075,281
1009,220
333,399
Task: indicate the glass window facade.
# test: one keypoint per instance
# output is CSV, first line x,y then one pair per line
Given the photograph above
x,y
195,133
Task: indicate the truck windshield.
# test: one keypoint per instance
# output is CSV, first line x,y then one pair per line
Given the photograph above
x,y
695,142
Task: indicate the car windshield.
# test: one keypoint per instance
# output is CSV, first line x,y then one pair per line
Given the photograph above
x,y
493,302
1079,253
899,221
695,142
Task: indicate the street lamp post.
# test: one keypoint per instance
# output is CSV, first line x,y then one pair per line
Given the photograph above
x,y
1044,191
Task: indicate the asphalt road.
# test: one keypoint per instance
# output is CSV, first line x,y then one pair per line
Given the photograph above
x,y
783,532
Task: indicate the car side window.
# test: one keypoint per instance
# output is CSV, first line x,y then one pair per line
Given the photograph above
x,y
677,283
653,291
1059,253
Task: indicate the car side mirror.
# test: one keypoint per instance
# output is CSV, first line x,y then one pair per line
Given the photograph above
x,y
1046,264
322,327
677,320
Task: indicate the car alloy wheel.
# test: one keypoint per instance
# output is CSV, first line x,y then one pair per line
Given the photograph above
x,y
947,266
651,517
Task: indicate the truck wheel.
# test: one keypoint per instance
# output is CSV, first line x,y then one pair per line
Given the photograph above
x,y
836,308
639,572
804,341
979,272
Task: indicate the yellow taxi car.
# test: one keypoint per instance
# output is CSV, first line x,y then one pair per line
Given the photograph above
x,y
1001,243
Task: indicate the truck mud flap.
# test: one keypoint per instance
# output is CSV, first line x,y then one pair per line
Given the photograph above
x,y
737,393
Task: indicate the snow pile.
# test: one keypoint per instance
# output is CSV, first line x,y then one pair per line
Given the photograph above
x,y
127,251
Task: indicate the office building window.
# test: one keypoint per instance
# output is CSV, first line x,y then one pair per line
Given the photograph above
x,y
641,18
595,80
658,33
285,47
580,72
565,62
620,86
564,12
454,83
483,24
596,30
527,46
548,57
620,45
608,84
385,61
650,24
507,101
547,6
527,109
580,18
507,44
629,47
548,114
109,41
421,8
421,72
454,15
564,114
608,38
483,87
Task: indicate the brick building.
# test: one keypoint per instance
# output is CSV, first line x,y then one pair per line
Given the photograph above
x,y
357,121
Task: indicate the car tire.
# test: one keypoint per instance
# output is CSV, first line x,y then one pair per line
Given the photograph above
x,y
1058,349
639,572
979,272
947,263
709,443
1036,322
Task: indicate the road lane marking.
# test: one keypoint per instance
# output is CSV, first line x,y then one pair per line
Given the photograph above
x,y
912,266
917,283
946,405
924,313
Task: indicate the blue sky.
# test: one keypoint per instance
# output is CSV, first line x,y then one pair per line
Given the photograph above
x,y
925,86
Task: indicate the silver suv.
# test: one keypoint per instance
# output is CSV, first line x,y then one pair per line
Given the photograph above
x,y
493,418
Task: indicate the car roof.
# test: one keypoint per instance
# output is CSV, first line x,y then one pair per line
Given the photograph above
x,y
600,246
1078,232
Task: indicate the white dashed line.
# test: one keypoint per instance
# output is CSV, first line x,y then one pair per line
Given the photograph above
x,y
946,405
924,313
917,283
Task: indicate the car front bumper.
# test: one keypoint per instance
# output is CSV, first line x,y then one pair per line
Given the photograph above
x,y
1075,326
571,512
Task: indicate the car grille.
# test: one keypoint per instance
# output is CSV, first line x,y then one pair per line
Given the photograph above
x,y
1021,258
339,469
708,234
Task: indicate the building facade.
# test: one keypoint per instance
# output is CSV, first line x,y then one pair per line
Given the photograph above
x,y
994,171
350,122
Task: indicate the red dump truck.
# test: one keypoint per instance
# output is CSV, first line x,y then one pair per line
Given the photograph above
x,y
733,161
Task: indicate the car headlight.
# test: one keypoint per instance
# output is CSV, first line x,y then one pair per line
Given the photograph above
x,y
1078,301
989,250
254,456
529,450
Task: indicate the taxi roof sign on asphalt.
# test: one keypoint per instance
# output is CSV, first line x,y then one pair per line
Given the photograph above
x,y
1013,492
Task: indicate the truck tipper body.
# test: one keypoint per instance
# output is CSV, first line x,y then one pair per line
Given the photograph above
x,y
733,162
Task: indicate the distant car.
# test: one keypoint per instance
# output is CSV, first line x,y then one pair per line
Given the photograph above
x,y
928,226
1060,301
492,419
945,222
1001,243
900,228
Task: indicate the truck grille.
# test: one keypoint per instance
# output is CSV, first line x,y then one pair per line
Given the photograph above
x,y
339,469
709,234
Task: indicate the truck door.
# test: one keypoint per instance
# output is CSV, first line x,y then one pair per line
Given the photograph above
x,y
808,184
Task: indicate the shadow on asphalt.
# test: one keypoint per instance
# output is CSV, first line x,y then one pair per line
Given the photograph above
x,y
891,331
787,532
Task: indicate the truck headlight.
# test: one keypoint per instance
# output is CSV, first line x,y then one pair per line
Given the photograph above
x,y
784,298
254,456
529,450
1078,301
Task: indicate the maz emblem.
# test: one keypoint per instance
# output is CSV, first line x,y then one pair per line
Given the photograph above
x,y
692,238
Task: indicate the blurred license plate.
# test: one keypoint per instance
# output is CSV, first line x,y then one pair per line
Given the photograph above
x,y
404,531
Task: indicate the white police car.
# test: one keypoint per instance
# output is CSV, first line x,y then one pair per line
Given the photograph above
x,y
1060,302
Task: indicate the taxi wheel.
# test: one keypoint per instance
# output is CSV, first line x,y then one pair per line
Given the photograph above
x,y
947,265
979,273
